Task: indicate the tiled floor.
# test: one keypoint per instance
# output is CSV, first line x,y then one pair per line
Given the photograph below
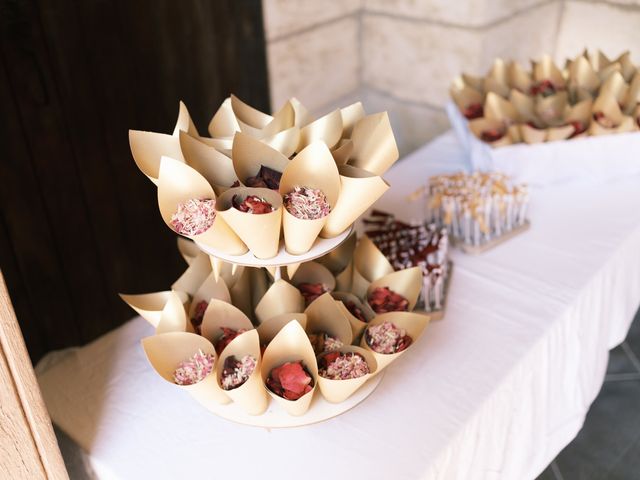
x,y
608,446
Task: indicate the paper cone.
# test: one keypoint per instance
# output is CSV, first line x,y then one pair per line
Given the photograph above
x,y
607,104
633,95
211,288
463,95
223,145
313,167
251,395
301,114
324,316
615,86
533,135
165,352
370,263
499,72
524,105
291,344
344,280
224,122
184,122
173,317
222,314
148,148
214,166
545,69
350,116
582,75
599,60
498,108
178,183
519,78
150,305
342,152
477,83
292,269
260,232
327,129
282,120
480,125
359,190
249,154
247,116
336,391
374,146
491,85
628,69
580,112
281,297
268,329
197,272
338,259
407,283
559,133
413,323
357,325
313,272
551,110
285,141
188,249
609,70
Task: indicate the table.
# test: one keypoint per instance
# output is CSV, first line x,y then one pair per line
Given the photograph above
x,y
495,390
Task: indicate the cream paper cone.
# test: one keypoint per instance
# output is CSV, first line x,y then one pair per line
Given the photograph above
x,y
374,146
211,288
532,135
313,167
188,249
480,125
248,116
249,154
324,316
609,70
281,297
173,317
184,122
513,136
342,152
291,344
499,72
281,120
627,68
491,85
559,133
252,396
357,325
193,277
477,83
463,95
292,269
223,145
224,122
178,183
302,116
413,323
213,165
339,258
222,314
344,279
165,352
150,305
524,105
148,148
351,114
260,232
551,110
285,141
545,69
336,391
369,261
313,272
268,329
607,104
615,86
633,95
580,112
582,75
498,108
359,190
407,282
327,129
519,78
598,59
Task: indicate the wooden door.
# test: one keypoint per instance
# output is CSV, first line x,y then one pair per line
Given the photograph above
x,y
74,77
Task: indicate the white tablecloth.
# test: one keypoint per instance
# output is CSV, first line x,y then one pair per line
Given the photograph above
x,y
495,390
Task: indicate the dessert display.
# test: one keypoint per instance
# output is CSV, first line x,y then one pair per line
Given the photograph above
x,y
384,300
337,365
252,204
236,372
591,95
386,338
323,342
477,209
194,216
194,369
290,380
228,334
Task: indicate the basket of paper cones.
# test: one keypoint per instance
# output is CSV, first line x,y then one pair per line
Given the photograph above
x,y
548,123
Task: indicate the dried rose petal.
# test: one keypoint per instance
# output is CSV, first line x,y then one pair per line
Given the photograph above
x,y
473,110
355,311
228,334
236,372
603,120
193,217
290,380
266,178
252,204
386,338
194,369
198,316
544,88
323,342
492,135
311,291
343,366
578,128
383,300
307,203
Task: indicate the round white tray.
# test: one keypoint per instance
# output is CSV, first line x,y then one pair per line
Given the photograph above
x,y
321,247
277,417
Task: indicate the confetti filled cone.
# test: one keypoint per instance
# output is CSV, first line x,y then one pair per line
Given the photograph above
x,y
219,315
211,288
285,141
327,129
374,146
369,264
150,305
173,317
281,297
196,273
224,123
148,148
268,329
249,154
357,325
336,391
481,126
407,282
314,273
324,316
213,165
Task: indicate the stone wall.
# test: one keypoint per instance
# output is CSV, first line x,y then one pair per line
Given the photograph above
x,y
400,55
